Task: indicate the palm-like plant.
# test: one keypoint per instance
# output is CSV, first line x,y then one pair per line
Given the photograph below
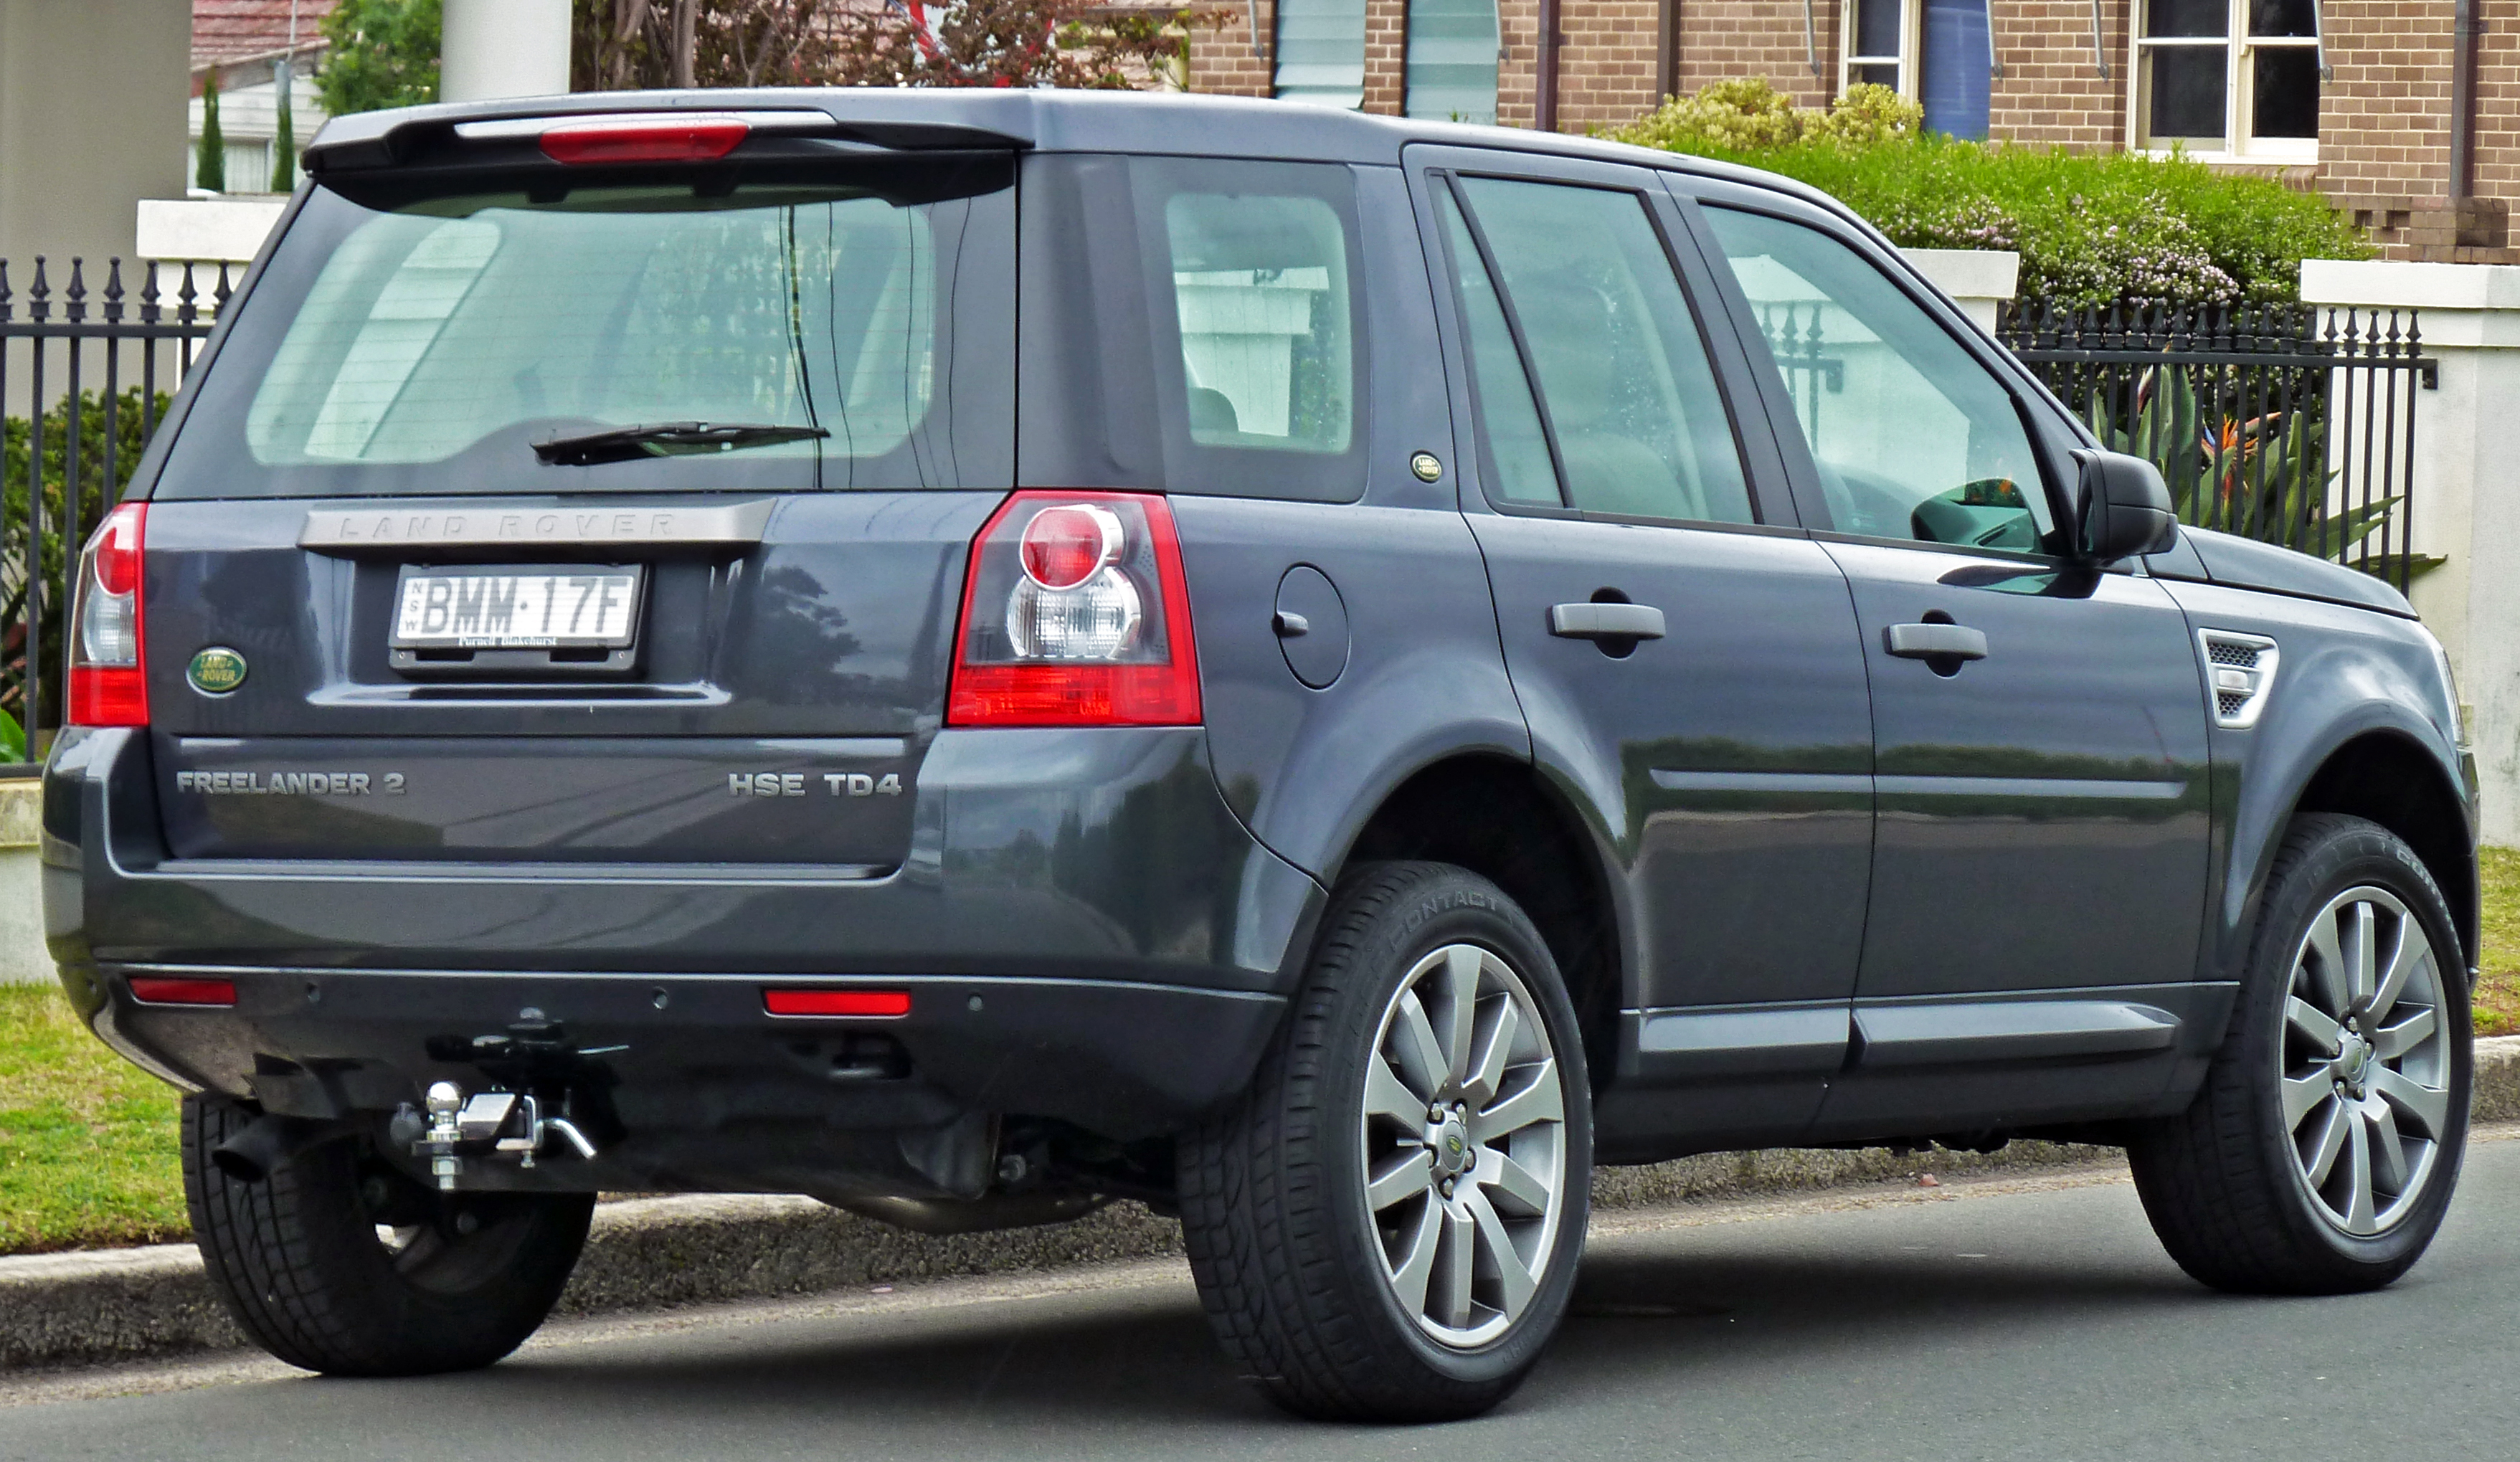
x,y
2264,478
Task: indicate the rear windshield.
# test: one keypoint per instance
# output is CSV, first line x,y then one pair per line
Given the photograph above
x,y
420,342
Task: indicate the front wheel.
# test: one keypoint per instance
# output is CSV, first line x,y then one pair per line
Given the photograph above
x,y
1386,1227
2321,1156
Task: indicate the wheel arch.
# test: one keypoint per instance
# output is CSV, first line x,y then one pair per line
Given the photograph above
x,y
2387,777
1502,820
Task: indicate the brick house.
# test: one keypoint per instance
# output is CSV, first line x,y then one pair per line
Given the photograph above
x,y
2356,97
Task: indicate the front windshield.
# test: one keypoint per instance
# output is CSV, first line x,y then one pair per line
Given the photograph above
x,y
456,332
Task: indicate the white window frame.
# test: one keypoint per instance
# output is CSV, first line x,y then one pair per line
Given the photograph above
x,y
2239,78
1911,19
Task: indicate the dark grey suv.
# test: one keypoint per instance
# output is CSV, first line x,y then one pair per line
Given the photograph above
x,y
968,655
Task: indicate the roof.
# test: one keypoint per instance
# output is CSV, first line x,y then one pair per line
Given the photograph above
x,y
912,118
1033,119
226,30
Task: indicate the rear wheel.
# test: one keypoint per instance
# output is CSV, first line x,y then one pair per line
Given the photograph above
x,y
2321,1156
338,1263
1386,1227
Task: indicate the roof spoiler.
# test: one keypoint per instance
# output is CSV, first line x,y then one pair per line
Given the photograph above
x,y
893,121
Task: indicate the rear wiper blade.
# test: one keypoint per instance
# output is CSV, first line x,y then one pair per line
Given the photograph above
x,y
666,439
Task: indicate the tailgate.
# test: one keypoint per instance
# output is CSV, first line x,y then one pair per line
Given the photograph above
x,y
785,665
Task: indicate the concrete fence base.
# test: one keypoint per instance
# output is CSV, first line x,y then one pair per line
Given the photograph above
x,y
23,959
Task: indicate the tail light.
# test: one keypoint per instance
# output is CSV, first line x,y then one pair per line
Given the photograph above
x,y
1075,612
107,680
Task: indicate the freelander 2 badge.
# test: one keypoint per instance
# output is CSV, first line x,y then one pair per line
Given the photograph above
x,y
215,670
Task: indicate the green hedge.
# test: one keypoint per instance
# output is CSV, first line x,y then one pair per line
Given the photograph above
x,y
2091,227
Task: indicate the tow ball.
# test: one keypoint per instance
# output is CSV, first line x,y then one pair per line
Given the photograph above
x,y
508,1123
509,1120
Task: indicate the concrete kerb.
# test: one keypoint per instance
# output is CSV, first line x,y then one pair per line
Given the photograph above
x,y
63,1309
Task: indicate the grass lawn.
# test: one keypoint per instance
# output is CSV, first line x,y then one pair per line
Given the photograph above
x,y
2498,989
87,1143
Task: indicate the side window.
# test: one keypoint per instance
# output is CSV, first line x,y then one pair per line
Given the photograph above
x,y
1593,380
1519,468
1912,437
1260,287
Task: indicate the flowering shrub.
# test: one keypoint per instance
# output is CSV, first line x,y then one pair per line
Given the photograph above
x,y
1749,115
2091,228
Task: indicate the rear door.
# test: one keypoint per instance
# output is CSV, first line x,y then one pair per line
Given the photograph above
x,y
1685,656
472,628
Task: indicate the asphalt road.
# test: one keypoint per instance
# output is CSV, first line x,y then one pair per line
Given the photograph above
x,y
2025,1318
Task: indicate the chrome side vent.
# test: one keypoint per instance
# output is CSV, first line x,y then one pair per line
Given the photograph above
x,y
2239,670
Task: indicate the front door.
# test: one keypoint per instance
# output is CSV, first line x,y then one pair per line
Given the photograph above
x,y
2039,726
1686,656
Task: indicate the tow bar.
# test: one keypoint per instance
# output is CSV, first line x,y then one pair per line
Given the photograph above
x,y
516,1118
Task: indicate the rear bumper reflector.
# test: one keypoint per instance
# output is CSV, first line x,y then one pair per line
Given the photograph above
x,y
859,1003
171,989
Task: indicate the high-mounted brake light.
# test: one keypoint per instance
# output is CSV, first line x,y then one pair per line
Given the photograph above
x,y
175,989
108,681
645,139
1076,613
861,1002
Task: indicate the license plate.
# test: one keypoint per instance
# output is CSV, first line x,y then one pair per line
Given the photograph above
x,y
517,609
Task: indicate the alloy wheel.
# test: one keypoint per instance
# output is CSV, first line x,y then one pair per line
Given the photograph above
x,y
2364,1064
1464,1148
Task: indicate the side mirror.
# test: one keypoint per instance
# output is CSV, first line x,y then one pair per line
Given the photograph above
x,y
2122,508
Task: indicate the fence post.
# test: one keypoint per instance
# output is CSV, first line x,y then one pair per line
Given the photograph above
x,y
1978,280
2463,470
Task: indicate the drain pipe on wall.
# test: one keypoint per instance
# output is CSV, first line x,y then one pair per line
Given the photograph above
x,y
1543,101
2467,38
1666,51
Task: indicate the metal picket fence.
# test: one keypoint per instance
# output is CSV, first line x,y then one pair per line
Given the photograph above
x,y
2285,423
84,373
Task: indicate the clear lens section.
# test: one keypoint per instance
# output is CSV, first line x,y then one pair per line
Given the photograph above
x,y
1098,620
108,627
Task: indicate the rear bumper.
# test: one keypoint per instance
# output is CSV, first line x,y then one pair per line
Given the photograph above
x,y
1087,931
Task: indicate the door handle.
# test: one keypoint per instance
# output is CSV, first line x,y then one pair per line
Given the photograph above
x,y
1605,621
1927,641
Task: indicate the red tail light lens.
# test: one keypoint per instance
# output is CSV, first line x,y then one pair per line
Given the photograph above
x,y
645,139
1063,547
1075,612
108,684
168,990
860,1002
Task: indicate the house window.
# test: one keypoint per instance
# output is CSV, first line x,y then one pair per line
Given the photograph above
x,y
1453,60
1937,52
2233,77
1321,52
1879,45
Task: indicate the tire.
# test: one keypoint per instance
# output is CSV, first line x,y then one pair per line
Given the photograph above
x,y
300,1262
2278,1178
1301,1275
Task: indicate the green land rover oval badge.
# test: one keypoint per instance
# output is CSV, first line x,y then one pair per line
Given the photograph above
x,y
215,670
